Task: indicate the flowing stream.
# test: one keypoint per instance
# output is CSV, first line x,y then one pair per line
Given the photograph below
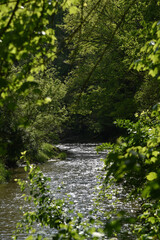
x,y
78,173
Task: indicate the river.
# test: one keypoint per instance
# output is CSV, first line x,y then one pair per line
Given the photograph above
x,y
78,172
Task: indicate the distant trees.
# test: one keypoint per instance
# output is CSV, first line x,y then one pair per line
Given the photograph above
x,y
102,85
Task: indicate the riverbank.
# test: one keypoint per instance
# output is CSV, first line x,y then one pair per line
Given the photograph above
x,y
46,152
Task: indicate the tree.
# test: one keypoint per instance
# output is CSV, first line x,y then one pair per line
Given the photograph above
x,y
27,46
134,160
102,51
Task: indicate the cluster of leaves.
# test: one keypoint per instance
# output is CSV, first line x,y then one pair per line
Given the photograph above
x,y
134,162
24,128
42,115
149,61
150,52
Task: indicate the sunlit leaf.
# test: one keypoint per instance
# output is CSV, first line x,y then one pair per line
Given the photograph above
x,y
152,220
152,176
47,100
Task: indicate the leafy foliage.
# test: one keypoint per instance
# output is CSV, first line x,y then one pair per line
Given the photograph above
x,y
134,160
38,112
102,86
150,53
37,107
31,94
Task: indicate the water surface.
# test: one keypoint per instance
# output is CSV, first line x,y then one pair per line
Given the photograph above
x,y
77,172
78,176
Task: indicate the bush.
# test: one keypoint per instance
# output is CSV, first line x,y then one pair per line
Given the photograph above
x,y
134,161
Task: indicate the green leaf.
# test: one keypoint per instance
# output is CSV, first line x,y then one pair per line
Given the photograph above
x,y
154,72
152,220
153,159
151,176
72,9
80,215
155,153
30,238
30,78
47,100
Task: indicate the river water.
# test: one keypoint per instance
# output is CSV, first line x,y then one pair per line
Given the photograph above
x,y
78,172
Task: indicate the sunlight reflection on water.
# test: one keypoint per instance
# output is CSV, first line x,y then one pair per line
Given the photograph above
x,y
78,172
